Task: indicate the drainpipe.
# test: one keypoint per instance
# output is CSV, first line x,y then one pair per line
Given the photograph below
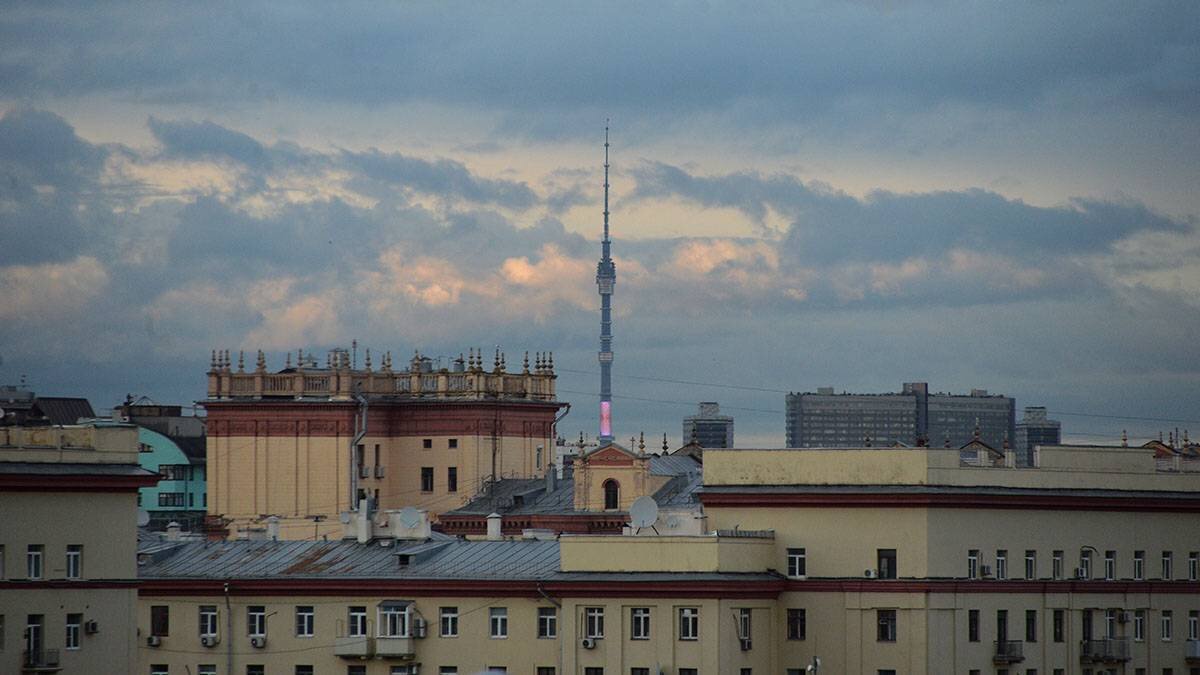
x,y
228,632
360,430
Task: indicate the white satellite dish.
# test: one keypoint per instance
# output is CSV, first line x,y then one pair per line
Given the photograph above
x,y
643,512
410,517
344,516
143,518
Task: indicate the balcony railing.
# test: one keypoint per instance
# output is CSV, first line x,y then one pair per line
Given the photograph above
x,y
1008,651
1108,650
40,661
1193,652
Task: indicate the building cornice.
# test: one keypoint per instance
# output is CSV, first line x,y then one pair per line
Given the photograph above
x,y
953,500
75,483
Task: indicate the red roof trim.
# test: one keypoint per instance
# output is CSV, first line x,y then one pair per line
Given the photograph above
x,y
988,586
950,500
63,584
74,483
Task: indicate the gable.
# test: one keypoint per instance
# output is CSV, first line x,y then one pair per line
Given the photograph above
x,y
610,456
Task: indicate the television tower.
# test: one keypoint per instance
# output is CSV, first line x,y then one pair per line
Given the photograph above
x,y
606,278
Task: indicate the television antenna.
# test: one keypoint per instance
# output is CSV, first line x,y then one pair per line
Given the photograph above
x,y
643,512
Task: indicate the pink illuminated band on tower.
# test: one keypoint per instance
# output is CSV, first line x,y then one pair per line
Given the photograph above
x,y
606,419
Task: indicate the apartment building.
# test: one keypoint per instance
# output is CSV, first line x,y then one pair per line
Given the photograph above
x,y
68,576
306,443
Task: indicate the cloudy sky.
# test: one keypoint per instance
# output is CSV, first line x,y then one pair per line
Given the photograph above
x,y
855,195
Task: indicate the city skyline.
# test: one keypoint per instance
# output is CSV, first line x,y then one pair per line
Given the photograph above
x,y
843,195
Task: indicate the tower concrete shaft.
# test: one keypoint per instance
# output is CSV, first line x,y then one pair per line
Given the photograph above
x,y
606,279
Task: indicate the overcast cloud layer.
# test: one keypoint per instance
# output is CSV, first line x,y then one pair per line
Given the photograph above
x,y
829,195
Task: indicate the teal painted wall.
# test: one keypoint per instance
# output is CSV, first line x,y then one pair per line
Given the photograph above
x,y
162,451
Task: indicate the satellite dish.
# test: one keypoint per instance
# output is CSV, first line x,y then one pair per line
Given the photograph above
x,y
410,517
643,512
143,518
344,516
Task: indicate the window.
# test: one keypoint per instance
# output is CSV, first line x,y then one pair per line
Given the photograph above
x,y
593,670
612,494
175,471
498,617
547,670
427,443
208,620
689,623
74,561
448,622
452,443
689,671
301,670
887,625
33,561
797,624
1194,625
72,637
356,621
593,622
160,620
639,671
1193,566
256,621
1056,564
356,670
304,621
1059,620
1168,571
427,479
1165,625
639,623
1030,564
1139,625
1110,623
393,619
170,499
448,670
548,622
1002,625
539,457
159,669
1085,564
211,669
1,632
1139,565
1002,564
973,564
885,559
1110,565
744,626
972,625
452,479
797,562
1,561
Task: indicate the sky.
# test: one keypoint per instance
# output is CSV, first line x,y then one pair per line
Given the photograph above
x,y
853,194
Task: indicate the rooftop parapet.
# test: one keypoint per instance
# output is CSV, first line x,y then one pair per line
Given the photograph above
x,y
74,444
717,552
341,379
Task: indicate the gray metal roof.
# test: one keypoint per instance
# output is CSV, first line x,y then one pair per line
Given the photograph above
x,y
673,465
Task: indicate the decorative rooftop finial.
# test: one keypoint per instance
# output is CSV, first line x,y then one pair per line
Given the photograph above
x,y
496,362
550,362
1124,439
502,363
228,360
299,358
525,366
287,361
642,443
666,447
261,364
212,363
241,361
367,363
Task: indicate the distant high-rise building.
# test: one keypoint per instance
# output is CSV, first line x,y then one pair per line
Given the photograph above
x,y
1035,429
912,416
709,427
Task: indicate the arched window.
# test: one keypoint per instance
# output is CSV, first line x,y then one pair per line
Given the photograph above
x,y
612,493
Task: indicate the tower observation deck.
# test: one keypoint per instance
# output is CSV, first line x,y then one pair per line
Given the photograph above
x,y
606,279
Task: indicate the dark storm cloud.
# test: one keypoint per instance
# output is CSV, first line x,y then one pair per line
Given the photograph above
x,y
205,140
442,177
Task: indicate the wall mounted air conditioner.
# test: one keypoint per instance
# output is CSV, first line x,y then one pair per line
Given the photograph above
x,y
420,628
588,643
154,641
258,641
985,571
91,627
869,574
209,640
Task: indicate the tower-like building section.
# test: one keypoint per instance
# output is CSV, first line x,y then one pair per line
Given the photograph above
x,y
606,279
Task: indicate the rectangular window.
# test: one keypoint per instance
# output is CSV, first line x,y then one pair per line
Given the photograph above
x,y
1110,565
159,669
1030,564
175,471
1168,570
797,624
33,561
1139,625
208,620
256,621
1031,625
1086,624
1193,566
302,670
1139,565
74,561
209,669
1110,623
74,621
356,670
689,623
886,618
452,479
427,479
745,628
448,622
593,622
1085,564
498,618
1194,625
171,499
392,620
972,625
639,671
1056,564
639,623
593,670
797,562
160,620
1002,564
973,563
448,670
1002,625
886,562
545,670
547,626
689,671
427,443
1165,625
356,622
452,443
1059,621
304,621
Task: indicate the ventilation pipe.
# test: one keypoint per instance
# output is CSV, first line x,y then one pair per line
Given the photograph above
x,y
494,521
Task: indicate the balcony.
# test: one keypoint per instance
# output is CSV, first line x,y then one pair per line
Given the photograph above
x,y
42,661
1109,650
1008,651
1192,654
395,647
354,647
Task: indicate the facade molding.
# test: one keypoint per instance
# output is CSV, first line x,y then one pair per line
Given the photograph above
x,y
1054,502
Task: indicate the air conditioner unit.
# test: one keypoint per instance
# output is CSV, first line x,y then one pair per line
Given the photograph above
x,y
379,473
209,640
985,571
258,641
154,641
91,627
1124,617
588,643
745,643
420,628
364,472
870,574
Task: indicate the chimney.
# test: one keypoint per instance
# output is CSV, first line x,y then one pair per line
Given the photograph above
x,y
493,527
173,531
362,522
273,528
551,478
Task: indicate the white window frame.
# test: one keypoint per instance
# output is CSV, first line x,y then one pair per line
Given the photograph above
x,y
1031,565
1168,565
1110,565
35,562
1056,565
593,623
1139,625
71,639
448,622
256,621
547,623
797,562
1085,563
356,621
208,620
639,623
1194,625
1193,567
498,623
973,563
393,621
745,624
689,623
1002,564
306,621
206,669
1139,565
74,561
1164,625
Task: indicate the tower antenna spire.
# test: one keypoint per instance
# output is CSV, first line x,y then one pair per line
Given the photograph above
x,y
606,279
